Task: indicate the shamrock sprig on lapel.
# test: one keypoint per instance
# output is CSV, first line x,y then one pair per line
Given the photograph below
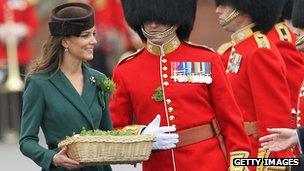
x,y
158,94
105,85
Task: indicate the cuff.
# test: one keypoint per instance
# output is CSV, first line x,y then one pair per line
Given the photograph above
x,y
47,164
262,154
299,133
135,129
238,154
277,168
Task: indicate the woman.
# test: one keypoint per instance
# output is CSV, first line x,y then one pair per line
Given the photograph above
x,y
61,92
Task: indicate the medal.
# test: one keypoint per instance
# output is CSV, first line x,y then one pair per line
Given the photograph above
x,y
193,72
234,62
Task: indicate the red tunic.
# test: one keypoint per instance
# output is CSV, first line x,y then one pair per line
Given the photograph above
x,y
284,39
27,16
109,16
185,105
260,86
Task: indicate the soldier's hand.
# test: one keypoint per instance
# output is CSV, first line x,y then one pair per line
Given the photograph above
x,y
164,138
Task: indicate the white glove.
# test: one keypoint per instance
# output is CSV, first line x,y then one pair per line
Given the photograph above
x,y
164,139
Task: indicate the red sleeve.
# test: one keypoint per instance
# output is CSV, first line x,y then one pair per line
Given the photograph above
x,y
268,83
227,111
120,22
31,20
121,109
295,67
118,13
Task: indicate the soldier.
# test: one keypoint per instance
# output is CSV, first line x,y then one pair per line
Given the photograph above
x,y
184,83
282,138
18,21
285,39
286,14
255,67
298,22
24,28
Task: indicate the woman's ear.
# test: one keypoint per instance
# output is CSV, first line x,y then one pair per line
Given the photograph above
x,y
64,43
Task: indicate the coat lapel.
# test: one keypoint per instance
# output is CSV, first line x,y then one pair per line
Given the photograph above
x,y
89,89
63,85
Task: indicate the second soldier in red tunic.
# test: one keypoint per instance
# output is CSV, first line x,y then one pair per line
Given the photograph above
x,y
255,68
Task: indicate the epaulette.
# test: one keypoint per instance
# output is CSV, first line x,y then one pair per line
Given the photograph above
x,y
224,47
127,56
32,2
284,33
201,46
262,40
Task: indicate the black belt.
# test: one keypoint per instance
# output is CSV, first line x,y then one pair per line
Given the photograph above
x,y
52,146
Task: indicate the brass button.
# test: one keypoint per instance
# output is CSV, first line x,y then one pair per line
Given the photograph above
x,y
171,117
168,101
165,75
298,118
170,109
164,60
298,125
165,68
166,83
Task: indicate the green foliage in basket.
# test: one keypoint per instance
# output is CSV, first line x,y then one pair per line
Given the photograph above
x,y
98,132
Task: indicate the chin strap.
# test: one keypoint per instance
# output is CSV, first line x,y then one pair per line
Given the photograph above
x,y
233,15
300,40
162,35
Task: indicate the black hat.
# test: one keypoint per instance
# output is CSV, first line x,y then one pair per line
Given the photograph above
x,y
298,14
71,19
287,10
171,12
264,13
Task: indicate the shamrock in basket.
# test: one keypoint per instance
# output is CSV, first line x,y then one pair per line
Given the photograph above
x,y
96,147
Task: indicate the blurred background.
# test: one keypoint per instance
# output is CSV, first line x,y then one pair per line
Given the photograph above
x,y
23,30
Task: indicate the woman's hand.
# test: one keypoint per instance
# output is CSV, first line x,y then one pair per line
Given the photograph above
x,y
279,139
61,159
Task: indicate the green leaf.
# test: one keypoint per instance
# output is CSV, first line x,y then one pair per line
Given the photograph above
x,y
107,85
158,94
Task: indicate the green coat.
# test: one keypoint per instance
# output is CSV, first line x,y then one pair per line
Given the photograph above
x,y
51,102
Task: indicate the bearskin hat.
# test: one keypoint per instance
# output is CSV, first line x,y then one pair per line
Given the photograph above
x,y
264,13
180,12
71,19
287,10
298,14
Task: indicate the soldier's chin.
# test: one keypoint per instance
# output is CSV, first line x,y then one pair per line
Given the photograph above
x,y
156,41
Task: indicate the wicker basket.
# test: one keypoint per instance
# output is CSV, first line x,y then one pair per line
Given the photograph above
x,y
107,149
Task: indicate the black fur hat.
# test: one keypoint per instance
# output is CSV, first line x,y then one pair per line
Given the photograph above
x,y
298,14
71,19
264,13
287,10
181,12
